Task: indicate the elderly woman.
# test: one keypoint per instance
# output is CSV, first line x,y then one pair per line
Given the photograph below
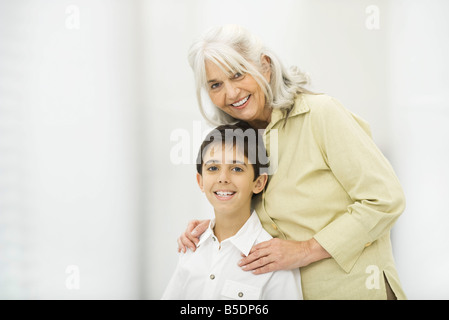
x,y
332,199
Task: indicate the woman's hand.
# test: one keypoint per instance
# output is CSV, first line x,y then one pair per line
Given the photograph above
x,y
277,254
190,237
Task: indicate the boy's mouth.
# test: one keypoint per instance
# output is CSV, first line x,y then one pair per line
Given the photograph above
x,y
224,195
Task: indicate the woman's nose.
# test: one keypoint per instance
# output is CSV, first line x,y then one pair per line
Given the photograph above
x,y
232,92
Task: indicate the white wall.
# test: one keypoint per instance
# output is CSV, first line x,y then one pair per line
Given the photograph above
x,y
96,95
69,109
419,114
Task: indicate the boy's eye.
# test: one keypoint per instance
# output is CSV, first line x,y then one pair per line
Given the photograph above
x,y
237,169
212,168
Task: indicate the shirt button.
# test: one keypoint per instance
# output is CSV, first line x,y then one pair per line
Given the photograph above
x,y
240,294
212,277
275,227
368,244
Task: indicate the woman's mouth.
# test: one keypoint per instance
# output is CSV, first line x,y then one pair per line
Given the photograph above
x,y
241,103
224,195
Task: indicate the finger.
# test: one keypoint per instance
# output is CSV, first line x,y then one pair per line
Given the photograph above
x,y
262,245
271,267
181,247
192,225
253,255
200,228
186,242
252,260
257,264
189,239
190,236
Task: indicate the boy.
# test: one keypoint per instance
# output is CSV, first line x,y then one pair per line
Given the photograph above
x,y
229,173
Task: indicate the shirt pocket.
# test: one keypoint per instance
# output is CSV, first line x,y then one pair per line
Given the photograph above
x,y
240,291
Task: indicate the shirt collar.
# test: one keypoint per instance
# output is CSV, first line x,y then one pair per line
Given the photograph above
x,y
244,239
299,107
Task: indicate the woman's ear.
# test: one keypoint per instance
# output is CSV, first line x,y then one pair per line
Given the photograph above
x,y
265,62
199,179
260,183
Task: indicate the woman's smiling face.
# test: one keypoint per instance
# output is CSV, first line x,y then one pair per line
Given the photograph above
x,y
240,95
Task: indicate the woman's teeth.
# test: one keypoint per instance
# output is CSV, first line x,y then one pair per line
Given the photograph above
x,y
240,103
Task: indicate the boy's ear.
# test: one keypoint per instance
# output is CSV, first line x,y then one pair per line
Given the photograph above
x,y
199,179
260,183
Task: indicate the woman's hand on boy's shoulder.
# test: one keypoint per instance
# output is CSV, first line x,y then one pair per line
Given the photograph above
x,y
277,254
190,237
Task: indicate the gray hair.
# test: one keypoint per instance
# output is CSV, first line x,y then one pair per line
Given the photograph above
x,y
234,49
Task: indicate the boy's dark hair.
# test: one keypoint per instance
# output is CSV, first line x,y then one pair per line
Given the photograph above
x,y
245,138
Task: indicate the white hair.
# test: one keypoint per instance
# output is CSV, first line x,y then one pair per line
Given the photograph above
x,y
234,49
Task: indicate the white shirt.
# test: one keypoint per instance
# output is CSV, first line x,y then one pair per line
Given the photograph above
x,y
212,273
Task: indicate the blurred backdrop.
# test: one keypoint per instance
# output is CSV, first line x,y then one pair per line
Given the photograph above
x,y
97,96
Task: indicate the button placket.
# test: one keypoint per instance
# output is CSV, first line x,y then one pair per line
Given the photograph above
x,y
213,276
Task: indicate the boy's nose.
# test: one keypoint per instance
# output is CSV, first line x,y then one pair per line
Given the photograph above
x,y
223,177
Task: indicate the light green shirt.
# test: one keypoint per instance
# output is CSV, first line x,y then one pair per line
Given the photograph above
x,y
332,183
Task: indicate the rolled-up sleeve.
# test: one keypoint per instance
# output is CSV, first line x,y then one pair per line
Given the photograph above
x,y
366,175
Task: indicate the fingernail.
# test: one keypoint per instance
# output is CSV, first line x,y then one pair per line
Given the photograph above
x,y
194,232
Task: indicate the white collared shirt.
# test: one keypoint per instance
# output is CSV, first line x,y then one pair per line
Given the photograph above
x,y
212,273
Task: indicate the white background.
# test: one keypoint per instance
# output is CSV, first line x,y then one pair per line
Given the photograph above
x,y
93,93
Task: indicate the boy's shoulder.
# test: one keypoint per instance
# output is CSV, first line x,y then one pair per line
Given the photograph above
x,y
263,236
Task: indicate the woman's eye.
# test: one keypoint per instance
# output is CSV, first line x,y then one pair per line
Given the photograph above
x,y
237,75
238,169
214,85
212,168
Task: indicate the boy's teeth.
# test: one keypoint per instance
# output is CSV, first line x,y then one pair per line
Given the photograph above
x,y
238,104
224,194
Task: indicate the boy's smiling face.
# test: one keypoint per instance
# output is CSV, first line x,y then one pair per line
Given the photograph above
x,y
228,179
